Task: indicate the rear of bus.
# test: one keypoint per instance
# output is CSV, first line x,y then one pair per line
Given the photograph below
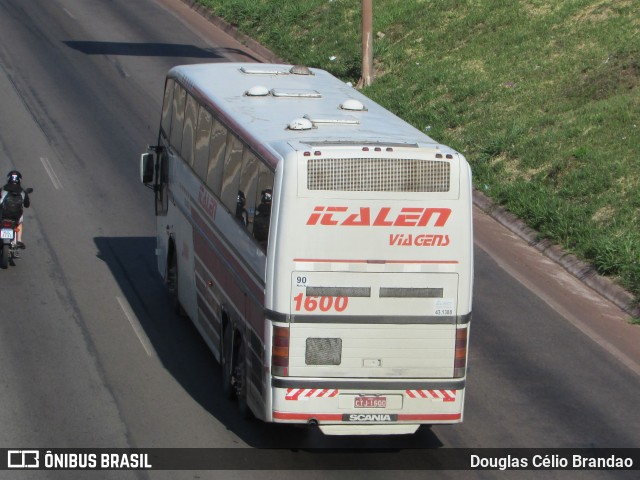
x,y
369,288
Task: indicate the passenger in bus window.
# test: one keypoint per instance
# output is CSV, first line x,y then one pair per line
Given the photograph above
x,y
262,218
241,212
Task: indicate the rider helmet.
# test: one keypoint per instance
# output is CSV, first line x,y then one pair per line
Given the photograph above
x,y
14,177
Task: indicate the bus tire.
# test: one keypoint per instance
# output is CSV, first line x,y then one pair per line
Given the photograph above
x,y
226,358
172,279
177,306
242,381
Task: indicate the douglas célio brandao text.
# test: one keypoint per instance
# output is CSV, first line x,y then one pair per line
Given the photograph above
x,y
567,461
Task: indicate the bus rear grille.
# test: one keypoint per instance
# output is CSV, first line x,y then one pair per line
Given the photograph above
x,y
378,175
323,351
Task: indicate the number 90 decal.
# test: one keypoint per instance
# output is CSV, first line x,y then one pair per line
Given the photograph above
x,y
324,304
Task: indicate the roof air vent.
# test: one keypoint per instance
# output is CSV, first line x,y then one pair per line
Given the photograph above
x,y
295,93
259,69
300,124
353,105
300,70
332,119
257,91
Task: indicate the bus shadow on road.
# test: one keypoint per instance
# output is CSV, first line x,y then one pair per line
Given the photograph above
x,y
137,49
181,350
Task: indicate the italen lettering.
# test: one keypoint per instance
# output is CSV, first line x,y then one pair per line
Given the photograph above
x,y
379,217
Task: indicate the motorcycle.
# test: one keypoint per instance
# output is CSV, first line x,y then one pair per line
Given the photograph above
x,y
8,235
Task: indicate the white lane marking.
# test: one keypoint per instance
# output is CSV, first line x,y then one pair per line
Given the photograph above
x,y
119,67
52,175
137,328
69,13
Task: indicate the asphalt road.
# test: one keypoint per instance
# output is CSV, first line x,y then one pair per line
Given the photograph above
x,y
91,353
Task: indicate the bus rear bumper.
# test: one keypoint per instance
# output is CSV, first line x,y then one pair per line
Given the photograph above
x,y
401,429
367,411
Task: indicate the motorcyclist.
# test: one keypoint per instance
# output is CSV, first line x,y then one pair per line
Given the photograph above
x,y
12,188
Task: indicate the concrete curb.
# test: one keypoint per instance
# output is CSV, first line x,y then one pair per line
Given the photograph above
x,y
572,264
576,267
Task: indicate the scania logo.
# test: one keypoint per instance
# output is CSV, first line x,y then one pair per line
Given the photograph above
x,y
369,417
380,217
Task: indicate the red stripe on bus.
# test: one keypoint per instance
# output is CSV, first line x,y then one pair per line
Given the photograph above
x,y
329,260
256,288
307,416
430,417
210,235
216,267
338,417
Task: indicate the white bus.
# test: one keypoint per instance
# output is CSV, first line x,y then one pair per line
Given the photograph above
x,y
321,246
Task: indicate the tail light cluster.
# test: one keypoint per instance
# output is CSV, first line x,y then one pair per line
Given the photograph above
x,y
7,224
280,351
460,362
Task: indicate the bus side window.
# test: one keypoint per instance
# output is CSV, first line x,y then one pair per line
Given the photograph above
x,y
265,182
217,149
165,122
248,187
231,174
201,156
177,120
189,130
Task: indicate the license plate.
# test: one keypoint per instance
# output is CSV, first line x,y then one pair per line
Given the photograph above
x,y
370,402
7,233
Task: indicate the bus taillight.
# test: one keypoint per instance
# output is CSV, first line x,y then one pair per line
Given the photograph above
x,y
280,351
460,363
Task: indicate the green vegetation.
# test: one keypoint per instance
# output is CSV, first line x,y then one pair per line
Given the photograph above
x,y
541,96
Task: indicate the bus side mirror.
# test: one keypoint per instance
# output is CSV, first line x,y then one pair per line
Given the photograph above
x,y
147,164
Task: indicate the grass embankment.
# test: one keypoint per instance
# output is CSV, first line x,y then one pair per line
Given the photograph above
x,y
542,97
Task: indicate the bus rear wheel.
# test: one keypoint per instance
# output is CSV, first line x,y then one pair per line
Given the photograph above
x,y
172,281
227,363
242,381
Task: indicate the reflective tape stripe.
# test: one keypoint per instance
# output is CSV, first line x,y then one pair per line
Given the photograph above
x,y
307,393
438,395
